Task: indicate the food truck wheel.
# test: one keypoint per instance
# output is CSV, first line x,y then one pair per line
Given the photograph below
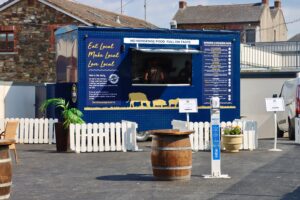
x,y
142,136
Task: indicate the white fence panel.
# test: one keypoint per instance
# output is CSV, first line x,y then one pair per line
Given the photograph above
x,y
50,130
103,137
200,139
196,136
77,136
118,137
106,137
201,136
32,131
40,133
206,136
89,137
96,135
31,126
83,138
112,137
72,130
26,131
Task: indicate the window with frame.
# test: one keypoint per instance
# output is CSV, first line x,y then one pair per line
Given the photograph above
x,y
154,68
250,36
7,39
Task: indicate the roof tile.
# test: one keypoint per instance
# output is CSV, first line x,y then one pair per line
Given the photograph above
x,y
219,13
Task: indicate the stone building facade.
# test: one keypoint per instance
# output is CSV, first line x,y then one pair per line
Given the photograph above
x,y
27,41
33,55
257,22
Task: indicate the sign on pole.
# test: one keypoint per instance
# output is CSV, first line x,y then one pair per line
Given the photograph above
x,y
188,106
275,105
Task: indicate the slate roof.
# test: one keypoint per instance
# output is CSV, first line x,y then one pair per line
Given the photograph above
x,y
295,38
96,16
219,14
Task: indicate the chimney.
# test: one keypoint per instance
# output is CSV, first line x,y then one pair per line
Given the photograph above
x,y
182,4
277,4
265,2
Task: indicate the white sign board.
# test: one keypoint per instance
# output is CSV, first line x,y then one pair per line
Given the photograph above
x,y
160,41
188,106
274,104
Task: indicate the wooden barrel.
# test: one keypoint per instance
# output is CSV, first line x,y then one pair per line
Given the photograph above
x,y
5,168
171,156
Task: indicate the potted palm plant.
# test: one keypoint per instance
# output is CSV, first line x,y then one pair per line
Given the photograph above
x,y
69,116
232,138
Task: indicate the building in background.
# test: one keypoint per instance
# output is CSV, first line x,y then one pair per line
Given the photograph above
x,y
295,38
257,22
27,51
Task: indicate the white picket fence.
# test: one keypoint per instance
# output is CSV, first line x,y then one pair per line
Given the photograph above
x,y
33,131
99,137
200,139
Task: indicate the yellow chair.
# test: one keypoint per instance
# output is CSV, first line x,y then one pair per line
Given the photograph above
x,y
10,132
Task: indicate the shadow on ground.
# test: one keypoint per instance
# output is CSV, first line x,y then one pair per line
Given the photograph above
x,y
293,195
127,177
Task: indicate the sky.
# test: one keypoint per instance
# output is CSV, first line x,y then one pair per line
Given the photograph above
x,y
161,12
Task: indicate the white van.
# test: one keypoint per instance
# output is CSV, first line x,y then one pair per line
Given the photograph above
x,y
286,120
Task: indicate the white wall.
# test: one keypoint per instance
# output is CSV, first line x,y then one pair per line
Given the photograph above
x,y
17,101
253,94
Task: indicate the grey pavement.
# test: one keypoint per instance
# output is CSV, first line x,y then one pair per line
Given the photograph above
x,y
44,174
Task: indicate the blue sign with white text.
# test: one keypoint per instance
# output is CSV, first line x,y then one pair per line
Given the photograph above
x,y
103,60
216,142
217,72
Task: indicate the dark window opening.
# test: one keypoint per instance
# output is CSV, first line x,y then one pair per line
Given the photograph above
x,y
161,68
7,41
250,36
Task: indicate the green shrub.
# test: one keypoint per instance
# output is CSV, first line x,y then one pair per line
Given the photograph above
x,y
70,115
232,130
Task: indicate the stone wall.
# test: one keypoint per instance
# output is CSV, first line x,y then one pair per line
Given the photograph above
x,y
33,59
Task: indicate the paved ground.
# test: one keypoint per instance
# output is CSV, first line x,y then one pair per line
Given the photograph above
x,y
44,174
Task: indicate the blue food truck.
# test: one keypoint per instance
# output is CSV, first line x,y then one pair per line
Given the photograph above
x,y
114,74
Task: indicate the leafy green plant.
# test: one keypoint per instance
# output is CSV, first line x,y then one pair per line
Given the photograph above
x,y
232,130
70,115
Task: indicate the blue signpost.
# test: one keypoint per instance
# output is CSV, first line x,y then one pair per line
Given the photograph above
x,y
215,140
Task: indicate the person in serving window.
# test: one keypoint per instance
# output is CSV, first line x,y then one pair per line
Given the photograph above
x,y
154,73
185,75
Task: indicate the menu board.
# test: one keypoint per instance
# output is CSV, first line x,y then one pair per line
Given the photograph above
x,y
217,72
102,60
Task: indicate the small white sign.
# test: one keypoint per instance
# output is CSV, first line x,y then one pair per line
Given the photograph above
x,y
160,41
274,104
188,106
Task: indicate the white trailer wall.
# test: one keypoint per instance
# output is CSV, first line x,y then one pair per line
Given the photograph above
x,y
253,94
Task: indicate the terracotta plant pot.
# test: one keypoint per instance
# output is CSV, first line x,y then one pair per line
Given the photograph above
x,y
62,138
232,143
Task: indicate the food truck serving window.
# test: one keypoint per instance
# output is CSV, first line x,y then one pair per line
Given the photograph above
x,y
162,67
